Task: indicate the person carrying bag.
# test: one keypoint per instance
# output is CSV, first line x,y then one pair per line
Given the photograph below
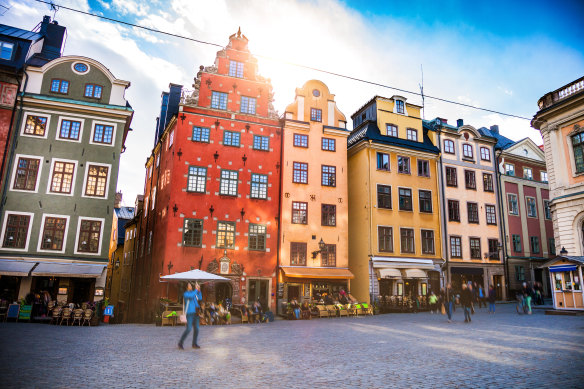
x,y
191,301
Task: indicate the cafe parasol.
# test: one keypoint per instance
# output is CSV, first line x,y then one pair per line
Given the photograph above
x,y
194,275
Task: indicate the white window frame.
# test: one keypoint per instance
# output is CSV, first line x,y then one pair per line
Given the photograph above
x,y
58,131
528,176
542,175
109,171
42,230
509,210
15,168
114,132
78,233
73,180
5,216
35,113
507,165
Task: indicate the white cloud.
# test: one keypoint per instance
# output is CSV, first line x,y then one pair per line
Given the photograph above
x,y
130,7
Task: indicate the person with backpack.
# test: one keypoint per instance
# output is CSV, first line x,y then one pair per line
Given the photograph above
x,y
192,299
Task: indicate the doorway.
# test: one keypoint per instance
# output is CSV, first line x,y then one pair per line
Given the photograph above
x,y
259,289
82,290
294,292
223,291
498,283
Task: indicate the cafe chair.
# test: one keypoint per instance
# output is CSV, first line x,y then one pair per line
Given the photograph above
x,y
87,315
77,316
66,315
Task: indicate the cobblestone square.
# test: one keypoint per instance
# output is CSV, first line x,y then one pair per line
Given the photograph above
x,y
393,350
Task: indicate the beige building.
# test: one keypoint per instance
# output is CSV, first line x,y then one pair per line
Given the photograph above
x,y
314,206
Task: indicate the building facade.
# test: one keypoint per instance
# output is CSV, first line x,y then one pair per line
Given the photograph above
x,y
471,211
314,257
211,194
394,209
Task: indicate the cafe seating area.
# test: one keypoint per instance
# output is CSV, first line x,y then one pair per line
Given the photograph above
x,y
332,310
392,304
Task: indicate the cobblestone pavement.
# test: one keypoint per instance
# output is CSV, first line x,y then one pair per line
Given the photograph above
x,y
394,350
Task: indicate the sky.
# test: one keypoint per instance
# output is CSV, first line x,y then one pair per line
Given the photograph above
x,y
500,55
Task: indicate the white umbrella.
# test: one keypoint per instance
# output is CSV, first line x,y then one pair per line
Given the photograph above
x,y
194,275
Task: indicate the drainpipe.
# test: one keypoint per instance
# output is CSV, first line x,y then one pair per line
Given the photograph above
x,y
502,220
279,220
370,256
445,255
12,116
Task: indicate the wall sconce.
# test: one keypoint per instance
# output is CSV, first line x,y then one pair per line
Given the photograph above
x,y
216,155
242,212
563,252
174,209
247,127
211,210
217,123
234,86
277,165
183,117
179,153
170,266
321,246
244,158
117,263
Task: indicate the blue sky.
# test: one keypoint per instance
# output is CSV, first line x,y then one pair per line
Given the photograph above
x,y
499,55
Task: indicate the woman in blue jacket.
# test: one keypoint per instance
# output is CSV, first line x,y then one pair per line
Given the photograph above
x,y
191,301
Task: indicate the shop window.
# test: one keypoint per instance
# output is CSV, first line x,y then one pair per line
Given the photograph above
x,y
197,179
488,182
257,237
16,231
407,240
300,140
328,144
228,184
300,173
299,212
193,233
383,161
297,253
425,197
473,212
26,174
259,186
403,165
200,134
470,179
475,248
423,168
384,196
385,239
225,235
405,199
328,215
453,211
451,177
428,242
89,236
329,175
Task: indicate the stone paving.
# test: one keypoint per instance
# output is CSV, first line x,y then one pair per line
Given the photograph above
x,y
393,350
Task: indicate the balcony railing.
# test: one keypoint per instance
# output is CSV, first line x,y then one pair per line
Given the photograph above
x,y
554,97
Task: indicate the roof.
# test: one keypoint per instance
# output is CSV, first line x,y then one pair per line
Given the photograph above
x,y
125,212
124,215
19,33
502,141
579,260
368,130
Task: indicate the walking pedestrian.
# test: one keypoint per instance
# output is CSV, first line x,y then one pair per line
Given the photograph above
x,y
191,299
466,301
492,298
526,291
481,297
432,299
449,301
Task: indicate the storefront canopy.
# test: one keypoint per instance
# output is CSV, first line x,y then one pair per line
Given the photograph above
x,y
194,275
11,267
389,273
65,269
318,272
403,263
555,269
414,273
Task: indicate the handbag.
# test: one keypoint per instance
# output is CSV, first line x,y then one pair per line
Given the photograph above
x,y
443,310
183,316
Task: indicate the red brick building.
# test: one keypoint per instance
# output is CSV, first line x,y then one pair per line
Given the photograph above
x,y
211,194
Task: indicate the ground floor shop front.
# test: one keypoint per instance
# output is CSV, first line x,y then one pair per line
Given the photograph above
x,y
565,274
530,271
483,274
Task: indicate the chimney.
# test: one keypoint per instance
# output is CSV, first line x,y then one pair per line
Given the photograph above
x,y
459,123
495,129
118,201
53,38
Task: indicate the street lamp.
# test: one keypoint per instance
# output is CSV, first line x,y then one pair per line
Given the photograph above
x,y
321,246
563,252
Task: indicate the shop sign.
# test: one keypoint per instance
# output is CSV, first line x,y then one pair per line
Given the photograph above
x,y
281,290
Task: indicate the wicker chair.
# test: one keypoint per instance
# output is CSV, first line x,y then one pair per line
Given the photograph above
x,y
66,315
77,316
50,307
87,315
56,315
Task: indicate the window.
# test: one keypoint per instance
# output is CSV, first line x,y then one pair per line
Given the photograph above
x,y
427,242
391,130
544,176
152,200
219,100
26,174
467,151
488,182
257,237
512,204
6,50
485,154
491,215
197,179
528,173
300,140
547,210
200,134
510,169
89,235
328,255
329,144
425,197
412,134
16,232
248,105
157,160
80,67
493,249
534,244
62,179
35,125
517,243
407,240
448,146
96,180
329,175
385,237
403,165
228,186
455,247
475,248
552,246
193,233
519,273
297,253
578,149
261,143
299,212
453,211
451,176
170,139
470,179
236,69
259,186
103,134
93,91
69,129
328,215
231,138
399,106
383,161
60,86
473,212
300,173
384,196
316,115
405,199
225,235
423,168
531,208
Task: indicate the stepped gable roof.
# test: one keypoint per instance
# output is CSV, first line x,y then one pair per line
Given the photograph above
x,y
368,130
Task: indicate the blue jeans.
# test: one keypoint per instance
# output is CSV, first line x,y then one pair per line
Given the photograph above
x,y
191,318
297,313
449,309
466,313
492,307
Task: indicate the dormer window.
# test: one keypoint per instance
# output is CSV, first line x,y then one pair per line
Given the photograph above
x,y
60,86
391,130
236,69
6,50
467,151
412,134
399,106
93,91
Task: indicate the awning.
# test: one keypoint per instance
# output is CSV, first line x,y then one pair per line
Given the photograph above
x,y
11,267
389,273
555,269
318,272
466,270
414,273
64,269
402,263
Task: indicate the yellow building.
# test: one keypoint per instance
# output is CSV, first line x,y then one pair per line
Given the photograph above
x,y
314,207
394,210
